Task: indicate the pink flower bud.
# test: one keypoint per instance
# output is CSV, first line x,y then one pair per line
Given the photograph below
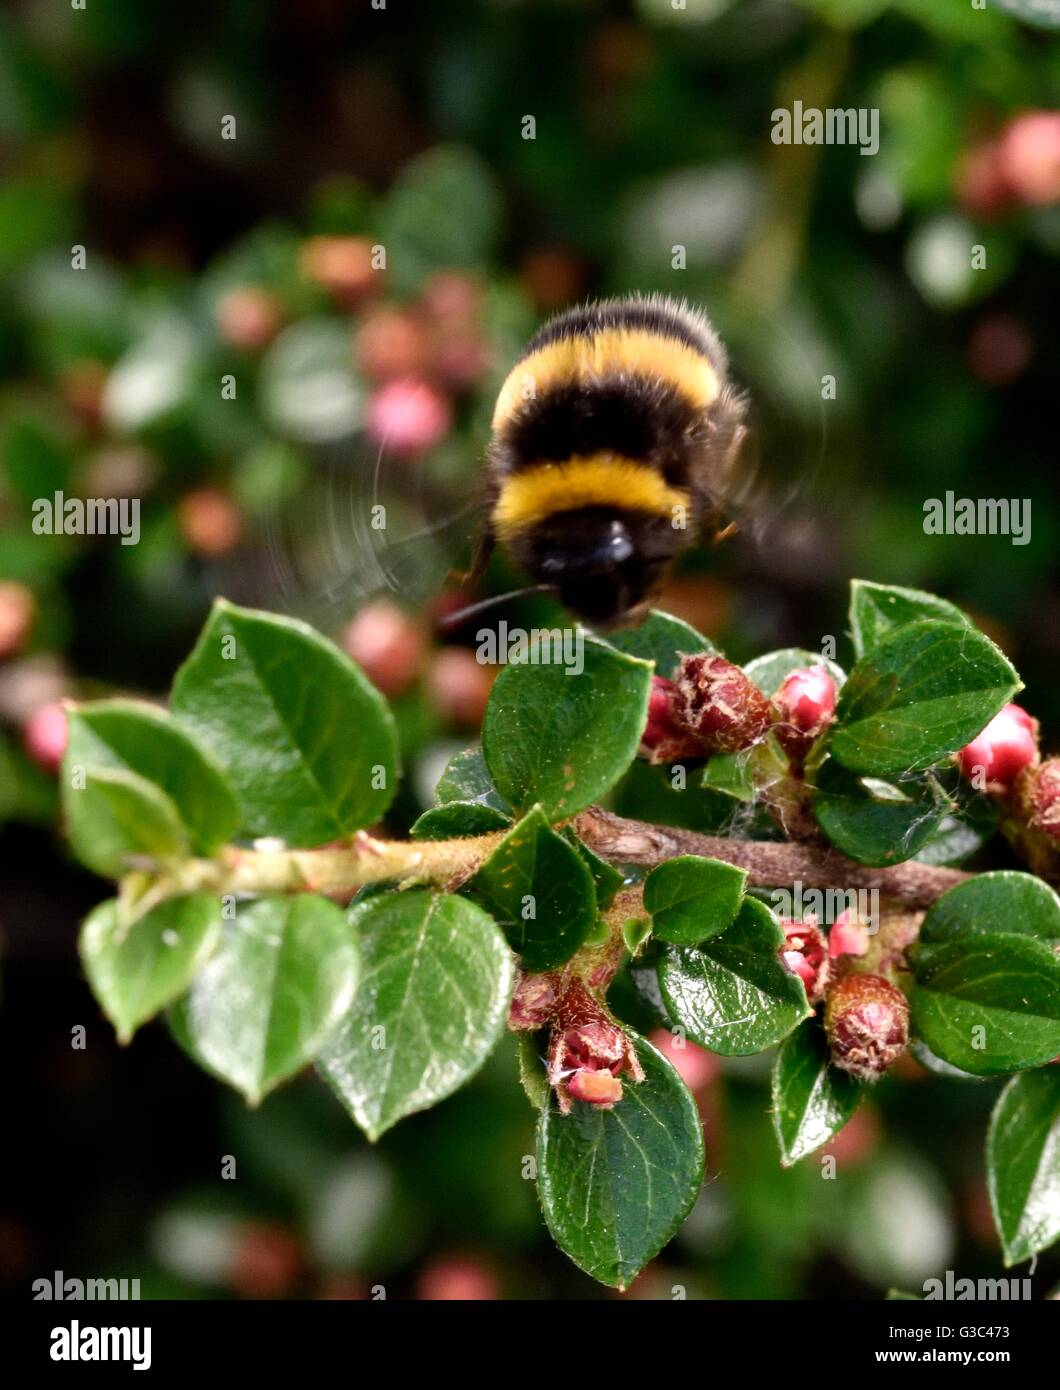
x,y
588,1051
1045,799
44,736
847,937
457,1278
805,953
18,608
342,265
805,704
533,1002
717,702
210,521
407,416
267,1261
249,317
458,686
982,188
867,1022
1030,157
696,1067
392,343
387,645
1007,745
665,739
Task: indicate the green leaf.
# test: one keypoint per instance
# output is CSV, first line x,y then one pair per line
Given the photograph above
x,y
876,609
437,980
529,1051
960,835
616,1184
880,824
731,994
282,977
307,742
991,904
562,740
988,1005
133,736
1023,1164
812,1100
467,778
661,639
539,889
770,671
923,691
691,899
137,968
744,775
457,819
607,880
117,816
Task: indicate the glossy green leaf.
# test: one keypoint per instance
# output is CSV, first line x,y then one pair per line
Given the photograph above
x,y
870,826
731,994
607,880
1023,1164
437,980
307,742
116,817
922,692
529,1051
661,639
988,1005
812,1100
457,819
562,740
876,609
744,775
281,978
137,968
691,899
540,891
467,778
133,736
991,904
616,1184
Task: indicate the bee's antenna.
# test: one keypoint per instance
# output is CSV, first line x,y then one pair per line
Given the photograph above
x,y
457,619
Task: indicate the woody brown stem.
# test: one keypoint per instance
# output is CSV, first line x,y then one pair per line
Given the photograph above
x,y
769,864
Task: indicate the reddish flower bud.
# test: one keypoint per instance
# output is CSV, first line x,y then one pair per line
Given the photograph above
x,y
387,645
458,686
533,1002
805,703
588,1051
848,936
716,701
664,739
18,608
457,1278
1007,745
805,953
982,188
1045,799
1030,157
407,416
696,1067
268,1261
452,299
209,521
249,317
44,736
342,265
867,1022
392,343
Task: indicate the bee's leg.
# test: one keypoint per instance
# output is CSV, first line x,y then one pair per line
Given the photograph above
x,y
485,544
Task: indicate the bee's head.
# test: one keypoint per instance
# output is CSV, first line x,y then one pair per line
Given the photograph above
x,y
603,562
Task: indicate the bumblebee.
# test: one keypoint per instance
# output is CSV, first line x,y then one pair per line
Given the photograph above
x,y
612,438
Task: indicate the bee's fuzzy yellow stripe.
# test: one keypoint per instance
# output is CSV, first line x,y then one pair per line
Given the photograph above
x,y
582,359
606,480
